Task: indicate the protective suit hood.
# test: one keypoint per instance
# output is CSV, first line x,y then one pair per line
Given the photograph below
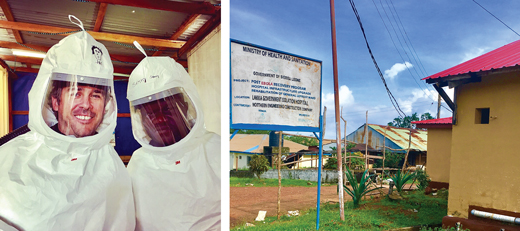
x,y
50,181
182,179
73,55
154,75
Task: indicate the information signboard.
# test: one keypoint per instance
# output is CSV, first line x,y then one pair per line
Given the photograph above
x,y
274,90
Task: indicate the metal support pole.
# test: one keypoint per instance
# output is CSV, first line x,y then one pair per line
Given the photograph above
x,y
279,173
319,173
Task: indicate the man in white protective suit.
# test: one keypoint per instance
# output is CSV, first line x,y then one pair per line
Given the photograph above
x,y
63,174
176,173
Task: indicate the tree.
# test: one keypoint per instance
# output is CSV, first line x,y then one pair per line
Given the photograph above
x,y
407,120
258,165
302,140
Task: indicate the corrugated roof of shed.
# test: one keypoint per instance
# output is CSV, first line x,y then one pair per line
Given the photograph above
x,y
400,136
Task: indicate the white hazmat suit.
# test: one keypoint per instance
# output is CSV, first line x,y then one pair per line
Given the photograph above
x,y
176,177
50,181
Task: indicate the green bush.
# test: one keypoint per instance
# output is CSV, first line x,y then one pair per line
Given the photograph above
x,y
392,160
258,165
422,179
332,163
358,189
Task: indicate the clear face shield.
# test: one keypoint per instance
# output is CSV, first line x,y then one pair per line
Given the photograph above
x,y
166,117
74,105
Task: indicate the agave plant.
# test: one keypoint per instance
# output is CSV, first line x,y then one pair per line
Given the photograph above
x,y
358,189
401,178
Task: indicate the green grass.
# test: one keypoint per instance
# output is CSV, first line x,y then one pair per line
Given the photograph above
x,y
377,214
246,182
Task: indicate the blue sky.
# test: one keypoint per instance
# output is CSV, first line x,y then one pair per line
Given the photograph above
x,y
442,34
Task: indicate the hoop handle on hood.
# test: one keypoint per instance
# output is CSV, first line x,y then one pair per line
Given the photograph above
x,y
80,23
140,48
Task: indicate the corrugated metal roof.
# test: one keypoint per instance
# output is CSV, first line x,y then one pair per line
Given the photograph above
x,y
254,143
503,57
141,22
133,19
446,120
54,12
400,136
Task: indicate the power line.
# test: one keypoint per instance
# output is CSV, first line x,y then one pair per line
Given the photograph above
x,y
496,17
404,38
392,98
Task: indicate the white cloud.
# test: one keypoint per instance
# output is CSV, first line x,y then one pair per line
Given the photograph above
x,y
396,68
345,98
418,101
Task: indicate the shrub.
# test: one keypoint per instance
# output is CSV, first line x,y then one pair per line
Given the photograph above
x,y
401,178
358,189
422,179
258,165
392,160
332,163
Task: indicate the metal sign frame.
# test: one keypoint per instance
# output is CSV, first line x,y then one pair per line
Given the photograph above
x,y
271,127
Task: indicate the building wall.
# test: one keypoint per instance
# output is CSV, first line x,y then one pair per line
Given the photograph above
x,y
204,68
439,154
4,102
241,159
484,157
308,164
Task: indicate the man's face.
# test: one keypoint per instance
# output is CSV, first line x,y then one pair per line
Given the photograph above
x,y
164,120
80,110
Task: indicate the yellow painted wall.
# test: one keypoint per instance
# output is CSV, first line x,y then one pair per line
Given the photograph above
x,y
439,153
4,102
485,158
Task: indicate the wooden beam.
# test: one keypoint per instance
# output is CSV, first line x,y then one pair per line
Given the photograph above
x,y
211,24
20,113
445,97
184,26
9,16
100,16
25,69
123,70
128,39
11,45
175,6
10,73
22,59
34,70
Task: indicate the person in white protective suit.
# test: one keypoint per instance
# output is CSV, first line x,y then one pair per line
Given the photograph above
x,y
176,173
63,174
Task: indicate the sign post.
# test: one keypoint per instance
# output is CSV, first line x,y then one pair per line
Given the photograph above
x,y
276,91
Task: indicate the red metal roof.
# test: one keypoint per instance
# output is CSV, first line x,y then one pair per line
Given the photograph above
x,y
446,120
505,56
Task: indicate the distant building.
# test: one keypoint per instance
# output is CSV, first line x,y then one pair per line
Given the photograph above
x,y
397,140
243,146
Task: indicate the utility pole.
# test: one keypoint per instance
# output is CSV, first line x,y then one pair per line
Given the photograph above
x,y
439,106
336,105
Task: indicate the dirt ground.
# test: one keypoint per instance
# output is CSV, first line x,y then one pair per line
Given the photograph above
x,y
245,202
